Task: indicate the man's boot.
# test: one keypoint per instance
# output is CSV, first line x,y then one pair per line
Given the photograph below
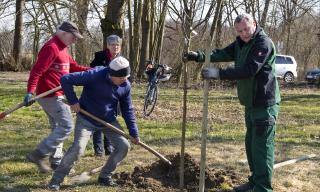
x,y
54,184
39,159
243,188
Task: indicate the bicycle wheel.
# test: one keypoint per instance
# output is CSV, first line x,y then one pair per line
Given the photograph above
x,y
150,100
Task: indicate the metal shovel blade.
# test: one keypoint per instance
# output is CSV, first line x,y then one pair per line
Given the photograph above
x,y
83,177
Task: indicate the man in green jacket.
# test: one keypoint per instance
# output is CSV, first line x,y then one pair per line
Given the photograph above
x,y
254,55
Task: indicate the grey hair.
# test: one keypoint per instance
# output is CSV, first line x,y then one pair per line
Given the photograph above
x,y
113,38
243,16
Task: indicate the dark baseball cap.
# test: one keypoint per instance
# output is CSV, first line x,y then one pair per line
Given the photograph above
x,y
70,27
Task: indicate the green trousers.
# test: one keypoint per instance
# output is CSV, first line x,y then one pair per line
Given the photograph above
x,y
259,141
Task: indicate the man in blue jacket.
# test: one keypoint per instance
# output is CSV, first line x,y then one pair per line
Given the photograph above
x,y
254,55
103,89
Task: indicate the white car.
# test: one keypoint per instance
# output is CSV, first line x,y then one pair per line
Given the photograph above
x,y
286,68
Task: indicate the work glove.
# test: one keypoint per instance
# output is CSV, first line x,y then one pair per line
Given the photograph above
x,y
210,73
190,56
28,100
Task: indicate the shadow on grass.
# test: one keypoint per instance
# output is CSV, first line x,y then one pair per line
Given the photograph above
x,y
221,139
14,154
300,97
44,187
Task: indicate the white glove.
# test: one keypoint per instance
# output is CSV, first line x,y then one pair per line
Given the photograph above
x,y
210,73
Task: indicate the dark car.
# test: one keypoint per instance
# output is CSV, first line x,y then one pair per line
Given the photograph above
x,y
313,76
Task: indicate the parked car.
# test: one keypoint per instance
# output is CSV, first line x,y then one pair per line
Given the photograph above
x,y
286,68
313,76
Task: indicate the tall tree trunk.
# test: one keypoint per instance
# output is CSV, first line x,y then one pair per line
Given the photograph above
x,y
264,13
112,23
17,40
152,28
160,31
136,34
145,25
130,47
82,14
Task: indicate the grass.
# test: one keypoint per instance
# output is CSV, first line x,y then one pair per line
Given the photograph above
x,y
297,134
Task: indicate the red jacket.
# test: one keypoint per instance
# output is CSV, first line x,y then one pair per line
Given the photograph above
x,y
53,62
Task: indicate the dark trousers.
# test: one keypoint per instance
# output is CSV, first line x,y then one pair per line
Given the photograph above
x,y
259,141
101,143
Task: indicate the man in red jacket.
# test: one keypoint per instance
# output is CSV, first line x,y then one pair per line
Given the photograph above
x,y
53,62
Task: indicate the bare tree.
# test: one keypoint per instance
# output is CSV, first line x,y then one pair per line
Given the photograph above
x,y
136,34
264,13
113,21
145,36
17,40
82,14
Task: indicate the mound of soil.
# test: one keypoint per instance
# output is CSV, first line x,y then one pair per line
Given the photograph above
x,y
161,177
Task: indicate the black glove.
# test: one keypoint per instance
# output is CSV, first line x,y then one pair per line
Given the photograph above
x,y
190,56
28,100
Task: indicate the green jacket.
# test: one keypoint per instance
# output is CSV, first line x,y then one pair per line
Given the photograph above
x,y
254,69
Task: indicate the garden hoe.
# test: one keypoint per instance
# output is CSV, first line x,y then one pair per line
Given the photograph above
x,y
18,106
85,176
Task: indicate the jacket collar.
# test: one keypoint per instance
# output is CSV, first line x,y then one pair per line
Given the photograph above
x,y
59,42
258,31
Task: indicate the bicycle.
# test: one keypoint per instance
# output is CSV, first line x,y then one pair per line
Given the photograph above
x,y
155,74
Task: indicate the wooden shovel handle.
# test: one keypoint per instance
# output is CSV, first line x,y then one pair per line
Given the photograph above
x,y
18,106
125,135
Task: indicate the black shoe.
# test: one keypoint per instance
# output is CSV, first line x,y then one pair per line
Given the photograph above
x,y
106,182
108,150
244,187
37,158
54,166
98,154
54,184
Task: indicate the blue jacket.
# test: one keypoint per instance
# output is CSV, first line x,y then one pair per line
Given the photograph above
x,y
100,96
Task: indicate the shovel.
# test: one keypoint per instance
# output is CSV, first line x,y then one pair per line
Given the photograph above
x,y
85,176
18,106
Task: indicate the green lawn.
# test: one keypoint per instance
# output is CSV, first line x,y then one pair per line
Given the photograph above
x,y
298,130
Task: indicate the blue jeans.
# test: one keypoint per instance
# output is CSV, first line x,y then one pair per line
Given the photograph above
x,y
100,142
82,134
61,124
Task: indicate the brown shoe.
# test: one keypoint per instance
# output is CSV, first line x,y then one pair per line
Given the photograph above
x,y
38,159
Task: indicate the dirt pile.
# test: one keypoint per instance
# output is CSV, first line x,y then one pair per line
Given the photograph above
x,y
161,177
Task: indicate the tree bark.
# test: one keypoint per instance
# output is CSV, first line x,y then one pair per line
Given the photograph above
x,y
136,34
145,26
112,23
130,48
264,13
82,14
17,40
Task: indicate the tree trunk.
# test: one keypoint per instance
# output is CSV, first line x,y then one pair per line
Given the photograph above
x,y
264,13
145,24
152,29
160,31
130,48
187,24
17,40
136,35
112,23
82,14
